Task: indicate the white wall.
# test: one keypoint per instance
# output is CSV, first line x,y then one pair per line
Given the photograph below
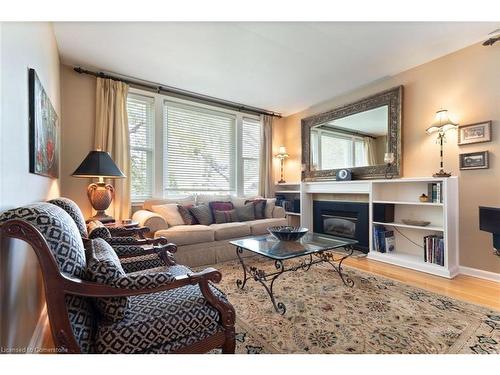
x,y
23,46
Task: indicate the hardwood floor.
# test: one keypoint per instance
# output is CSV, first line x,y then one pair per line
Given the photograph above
x,y
465,288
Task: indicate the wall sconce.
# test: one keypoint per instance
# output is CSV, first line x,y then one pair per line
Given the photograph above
x,y
282,155
441,125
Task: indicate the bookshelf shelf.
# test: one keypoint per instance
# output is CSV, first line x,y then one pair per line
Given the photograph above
x,y
292,213
402,225
410,203
287,192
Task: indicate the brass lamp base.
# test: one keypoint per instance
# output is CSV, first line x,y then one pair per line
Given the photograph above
x,y
100,196
441,173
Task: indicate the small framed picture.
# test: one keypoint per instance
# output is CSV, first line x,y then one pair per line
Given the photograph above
x,y
474,133
474,160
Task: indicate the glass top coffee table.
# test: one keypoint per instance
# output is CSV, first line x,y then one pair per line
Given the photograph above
x,y
314,248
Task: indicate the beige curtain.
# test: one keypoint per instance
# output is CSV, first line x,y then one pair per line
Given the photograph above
x,y
111,135
266,157
371,157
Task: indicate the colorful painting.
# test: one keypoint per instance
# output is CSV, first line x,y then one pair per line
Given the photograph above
x,y
44,130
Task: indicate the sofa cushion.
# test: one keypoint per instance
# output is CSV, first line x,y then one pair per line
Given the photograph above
x,y
259,206
246,212
186,215
259,227
222,217
230,230
184,200
170,213
187,234
103,266
159,318
203,214
270,204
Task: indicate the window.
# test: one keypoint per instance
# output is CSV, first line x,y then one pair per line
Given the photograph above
x,y
140,111
189,147
333,150
250,155
199,149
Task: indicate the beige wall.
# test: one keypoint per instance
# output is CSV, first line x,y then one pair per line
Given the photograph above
x,y
77,133
467,83
23,46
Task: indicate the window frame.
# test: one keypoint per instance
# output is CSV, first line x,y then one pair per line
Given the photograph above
x,y
339,135
151,149
158,133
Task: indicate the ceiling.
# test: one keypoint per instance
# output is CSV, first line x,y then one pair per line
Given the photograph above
x,y
280,66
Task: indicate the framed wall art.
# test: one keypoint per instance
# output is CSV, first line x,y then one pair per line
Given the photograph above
x,y
474,133
474,160
43,130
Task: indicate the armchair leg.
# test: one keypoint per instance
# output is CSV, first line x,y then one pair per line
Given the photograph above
x,y
230,343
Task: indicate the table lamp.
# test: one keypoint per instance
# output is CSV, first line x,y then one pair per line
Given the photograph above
x,y
441,125
99,164
282,155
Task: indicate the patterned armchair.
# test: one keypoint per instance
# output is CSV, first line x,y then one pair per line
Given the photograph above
x,y
99,304
123,245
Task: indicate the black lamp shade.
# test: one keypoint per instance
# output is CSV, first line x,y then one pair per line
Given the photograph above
x,y
98,164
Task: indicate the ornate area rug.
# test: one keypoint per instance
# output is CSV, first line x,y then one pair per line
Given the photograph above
x,y
377,315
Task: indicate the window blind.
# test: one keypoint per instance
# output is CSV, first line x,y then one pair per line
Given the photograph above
x,y
199,149
140,110
250,155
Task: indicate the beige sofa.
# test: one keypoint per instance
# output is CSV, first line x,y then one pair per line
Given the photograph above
x,y
200,245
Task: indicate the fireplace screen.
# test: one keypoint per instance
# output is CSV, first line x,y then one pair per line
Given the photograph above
x,y
341,226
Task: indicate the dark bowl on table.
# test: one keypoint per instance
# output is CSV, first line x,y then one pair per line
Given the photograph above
x,y
287,233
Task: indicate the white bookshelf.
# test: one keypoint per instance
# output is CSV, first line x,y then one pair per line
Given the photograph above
x,y
290,190
404,194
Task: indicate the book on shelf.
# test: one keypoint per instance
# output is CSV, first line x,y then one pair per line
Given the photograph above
x,y
435,192
434,249
383,240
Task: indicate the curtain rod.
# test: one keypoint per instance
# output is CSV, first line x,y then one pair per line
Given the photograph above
x,y
158,88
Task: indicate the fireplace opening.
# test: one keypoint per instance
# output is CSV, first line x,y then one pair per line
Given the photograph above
x,y
339,225
343,219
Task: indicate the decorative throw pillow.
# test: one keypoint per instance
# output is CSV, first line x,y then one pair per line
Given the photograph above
x,y
202,214
227,216
259,207
170,213
188,218
246,213
103,266
270,204
220,206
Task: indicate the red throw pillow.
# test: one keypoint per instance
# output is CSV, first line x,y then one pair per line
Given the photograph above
x,y
220,206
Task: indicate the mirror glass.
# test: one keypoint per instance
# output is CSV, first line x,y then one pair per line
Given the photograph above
x,y
357,140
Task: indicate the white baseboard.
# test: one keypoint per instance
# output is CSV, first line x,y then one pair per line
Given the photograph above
x,y
36,342
487,275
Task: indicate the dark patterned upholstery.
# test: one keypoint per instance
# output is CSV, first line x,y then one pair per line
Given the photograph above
x,y
139,263
96,229
74,211
127,250
160,322
103,266
65,243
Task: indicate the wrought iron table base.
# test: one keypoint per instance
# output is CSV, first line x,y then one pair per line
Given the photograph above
x,y
267,279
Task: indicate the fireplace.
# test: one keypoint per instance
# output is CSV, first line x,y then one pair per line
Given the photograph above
x,y
342,219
